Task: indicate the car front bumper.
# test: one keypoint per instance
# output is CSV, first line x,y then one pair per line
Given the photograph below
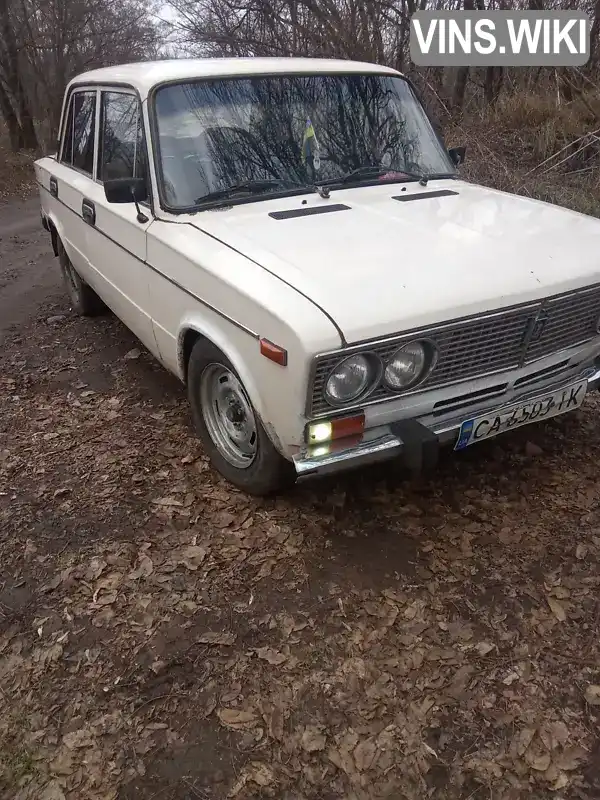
x,y
415,441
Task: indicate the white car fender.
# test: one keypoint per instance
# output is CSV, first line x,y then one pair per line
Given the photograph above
x,y
217,336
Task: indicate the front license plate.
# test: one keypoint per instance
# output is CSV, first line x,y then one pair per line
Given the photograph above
x,y
539,408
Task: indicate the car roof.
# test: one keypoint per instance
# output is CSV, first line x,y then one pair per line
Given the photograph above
x,y
143,76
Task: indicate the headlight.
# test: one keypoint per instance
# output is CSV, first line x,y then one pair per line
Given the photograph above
x,y
409,365
351,378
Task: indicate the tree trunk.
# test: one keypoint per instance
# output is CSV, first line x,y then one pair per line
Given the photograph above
x,y
14,83
462,75
30,140
494,77
12,123
460,87
594,38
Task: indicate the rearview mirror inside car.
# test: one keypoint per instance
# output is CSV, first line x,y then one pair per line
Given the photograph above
x,y
457,154
125,190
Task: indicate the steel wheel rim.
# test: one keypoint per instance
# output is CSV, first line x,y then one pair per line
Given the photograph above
x,y
228,416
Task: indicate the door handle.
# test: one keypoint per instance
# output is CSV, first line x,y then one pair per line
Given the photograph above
x,y
53,186
88,211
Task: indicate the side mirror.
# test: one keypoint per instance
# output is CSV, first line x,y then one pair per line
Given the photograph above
x,y
458,155
126,190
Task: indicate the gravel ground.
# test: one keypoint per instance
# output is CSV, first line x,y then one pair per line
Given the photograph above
x,y
163,636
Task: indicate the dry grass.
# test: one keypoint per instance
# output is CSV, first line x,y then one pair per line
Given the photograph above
x,y
530,145
537,127
16,171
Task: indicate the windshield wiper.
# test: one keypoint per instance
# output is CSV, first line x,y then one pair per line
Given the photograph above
x,y
370,171
424,177
258,187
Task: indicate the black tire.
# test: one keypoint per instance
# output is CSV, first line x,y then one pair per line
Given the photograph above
x,y
269,472
83,298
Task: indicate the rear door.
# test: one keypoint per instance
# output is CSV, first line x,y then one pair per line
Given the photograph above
x,y
72,174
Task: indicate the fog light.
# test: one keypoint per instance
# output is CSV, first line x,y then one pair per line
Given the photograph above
x,y
338,428
323,450
319,432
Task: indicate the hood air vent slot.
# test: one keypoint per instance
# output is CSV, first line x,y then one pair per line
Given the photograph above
x,y
308,211
405,198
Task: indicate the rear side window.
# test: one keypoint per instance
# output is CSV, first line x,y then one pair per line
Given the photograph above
x,y
122,145
80,132
66,151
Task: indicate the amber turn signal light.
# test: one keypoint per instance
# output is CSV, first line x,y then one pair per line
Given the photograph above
x,y
273,352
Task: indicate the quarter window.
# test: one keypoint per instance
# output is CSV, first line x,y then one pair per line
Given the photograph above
x,y
80,132
122,146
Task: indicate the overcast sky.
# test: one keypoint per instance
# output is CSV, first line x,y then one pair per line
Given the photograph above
x,y
167,13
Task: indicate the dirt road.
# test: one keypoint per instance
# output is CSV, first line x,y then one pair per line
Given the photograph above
x,y
27,279
162,636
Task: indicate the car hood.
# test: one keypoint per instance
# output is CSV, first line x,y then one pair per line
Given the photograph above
x,y
383,266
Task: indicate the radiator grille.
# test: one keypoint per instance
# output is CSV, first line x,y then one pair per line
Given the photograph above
x,y
479,346
569,321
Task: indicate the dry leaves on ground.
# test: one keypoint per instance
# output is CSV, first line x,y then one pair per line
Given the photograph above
x,y
160,631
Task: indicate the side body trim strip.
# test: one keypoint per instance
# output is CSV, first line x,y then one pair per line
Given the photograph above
x,y
162,274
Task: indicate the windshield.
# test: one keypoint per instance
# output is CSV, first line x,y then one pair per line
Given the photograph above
x,y
293,130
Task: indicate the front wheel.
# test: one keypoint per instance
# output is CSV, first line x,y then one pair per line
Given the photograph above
x,y
229,428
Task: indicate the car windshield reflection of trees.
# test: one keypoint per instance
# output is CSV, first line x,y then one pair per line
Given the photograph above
x,y
252,129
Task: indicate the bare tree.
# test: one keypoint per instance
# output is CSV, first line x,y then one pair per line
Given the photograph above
x,y
44,43
370,30
13,100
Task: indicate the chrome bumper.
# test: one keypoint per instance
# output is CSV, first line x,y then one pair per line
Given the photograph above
x,y
383,443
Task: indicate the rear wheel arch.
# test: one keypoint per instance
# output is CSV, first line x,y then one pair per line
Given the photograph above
x,y
55,238
56,232
84,299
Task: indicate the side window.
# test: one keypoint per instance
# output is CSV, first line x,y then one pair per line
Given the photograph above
x,y
122,145
67,144
80,132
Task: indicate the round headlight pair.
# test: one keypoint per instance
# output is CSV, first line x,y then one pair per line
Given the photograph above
x,y
352,378
409,365
356,375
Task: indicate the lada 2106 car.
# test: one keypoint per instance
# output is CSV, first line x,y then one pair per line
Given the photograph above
x,y
292,239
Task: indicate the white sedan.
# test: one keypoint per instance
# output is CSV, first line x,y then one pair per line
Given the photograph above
x,y
291,238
